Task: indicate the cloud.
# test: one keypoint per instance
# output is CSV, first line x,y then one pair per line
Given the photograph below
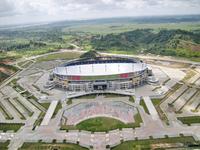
x,y
37,10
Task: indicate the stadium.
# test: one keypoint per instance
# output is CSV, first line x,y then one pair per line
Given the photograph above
x,y
100,73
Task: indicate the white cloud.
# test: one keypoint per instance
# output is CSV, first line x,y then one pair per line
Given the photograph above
x,y
37,10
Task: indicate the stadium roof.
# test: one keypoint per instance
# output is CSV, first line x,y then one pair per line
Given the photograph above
x,y
101,69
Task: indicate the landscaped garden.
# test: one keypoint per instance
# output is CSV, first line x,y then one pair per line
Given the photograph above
x,y
103,124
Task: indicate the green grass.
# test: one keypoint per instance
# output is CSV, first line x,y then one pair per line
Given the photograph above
x,y
39,120
30,113
90,96
5,113
132,99
51,146
65,55
189,75
109,95
10,126
142,103
146,144
189,120
100,124
45,105
156,102
27,64
69,101
163,117
4,145
58,107
21,115
103,124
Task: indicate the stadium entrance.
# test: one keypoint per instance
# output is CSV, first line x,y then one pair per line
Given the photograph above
x,y
100,86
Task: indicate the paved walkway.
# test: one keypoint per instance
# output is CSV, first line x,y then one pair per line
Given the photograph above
x,y
151,108
49,113
150,127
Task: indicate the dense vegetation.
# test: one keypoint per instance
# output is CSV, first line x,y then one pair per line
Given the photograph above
x,y
176,36
165,42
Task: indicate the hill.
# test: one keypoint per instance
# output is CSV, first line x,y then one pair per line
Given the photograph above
x,y
165,42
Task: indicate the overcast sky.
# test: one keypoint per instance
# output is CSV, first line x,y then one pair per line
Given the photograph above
x,y
28,11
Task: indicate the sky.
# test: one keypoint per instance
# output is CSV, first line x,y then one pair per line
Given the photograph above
x,y
33,11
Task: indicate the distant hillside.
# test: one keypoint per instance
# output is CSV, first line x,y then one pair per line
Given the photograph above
x,y
165,42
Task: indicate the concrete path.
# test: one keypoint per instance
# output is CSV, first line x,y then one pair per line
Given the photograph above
x,y
151,108
49,113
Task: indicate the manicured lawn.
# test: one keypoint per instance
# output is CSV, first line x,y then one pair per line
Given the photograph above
x,y
189,120
51,146
10,126
146,144
142,103
100,124
103,124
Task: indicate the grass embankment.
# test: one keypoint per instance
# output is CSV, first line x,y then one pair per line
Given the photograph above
x,y
10,126
90,96
147,144
190,74
142,103
58,107
4,145
5,112
103,124
69,101
65,55
189,120
163,117
132,99
51,146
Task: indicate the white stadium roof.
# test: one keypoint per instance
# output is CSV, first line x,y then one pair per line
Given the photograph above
x,y
100,69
